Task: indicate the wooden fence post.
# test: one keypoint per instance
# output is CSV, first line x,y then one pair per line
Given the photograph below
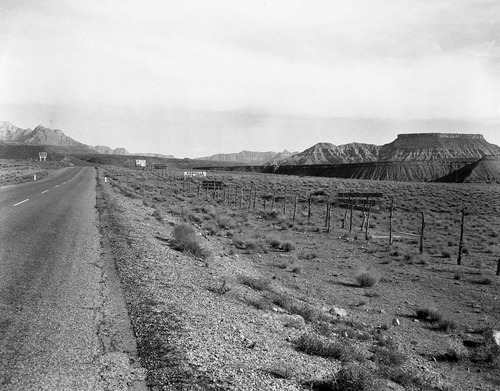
x,y
345,216
309,208
461,242
368,222
274,196
498,267
295,206
350,217
363,221
250,199
284,203
241,197
329,216
390,221
326,214
421,247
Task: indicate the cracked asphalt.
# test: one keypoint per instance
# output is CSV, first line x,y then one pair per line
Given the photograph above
x,y
63,321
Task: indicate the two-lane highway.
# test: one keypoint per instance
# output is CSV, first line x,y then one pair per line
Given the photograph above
x,y
52,285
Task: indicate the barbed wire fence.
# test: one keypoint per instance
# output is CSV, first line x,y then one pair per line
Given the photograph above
x,y
454,231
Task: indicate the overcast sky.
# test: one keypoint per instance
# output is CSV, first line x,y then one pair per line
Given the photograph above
x,y
195,78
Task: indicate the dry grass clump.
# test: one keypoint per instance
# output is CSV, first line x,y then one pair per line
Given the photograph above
x,y
315,345
456,351
287,246
258,284
484,281
212,228
366,279
446,325
293,306
428,314
434,316
351,377
184,239
389,356
226,222
308,255
251,245
277,244
221,288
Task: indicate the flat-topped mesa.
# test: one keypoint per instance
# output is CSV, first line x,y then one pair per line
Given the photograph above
x,y
441,135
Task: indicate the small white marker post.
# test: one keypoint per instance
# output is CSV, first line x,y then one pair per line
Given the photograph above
x,y
105,179
34,177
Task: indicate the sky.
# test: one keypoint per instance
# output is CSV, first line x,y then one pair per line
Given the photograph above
x,y
194,78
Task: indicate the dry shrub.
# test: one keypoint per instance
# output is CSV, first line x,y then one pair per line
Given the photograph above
x,y
429,314
212,228
287,246
185,240
307,311
315,345
446,325
366,279
226,222
391,356
351,377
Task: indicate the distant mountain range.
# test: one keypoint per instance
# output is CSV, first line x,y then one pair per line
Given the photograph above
x,y
415,156
411,157
41,135
249,157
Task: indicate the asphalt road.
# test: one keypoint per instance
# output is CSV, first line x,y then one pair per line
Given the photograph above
x,y
54,289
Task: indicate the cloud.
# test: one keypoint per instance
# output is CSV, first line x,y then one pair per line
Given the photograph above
x,y
395,58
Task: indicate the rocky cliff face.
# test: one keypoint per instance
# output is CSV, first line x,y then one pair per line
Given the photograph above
x,y
41,135
485,170
437,146
11,133
326,153
109,151
407,147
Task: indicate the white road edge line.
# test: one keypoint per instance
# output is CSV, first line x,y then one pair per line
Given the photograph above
x,y
56,186
44,191
19,203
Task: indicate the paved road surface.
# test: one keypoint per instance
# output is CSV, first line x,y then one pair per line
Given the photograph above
x,y
54,288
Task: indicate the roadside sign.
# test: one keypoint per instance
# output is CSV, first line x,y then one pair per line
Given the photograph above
x,y
364,202
195,174
358,201
361,208
159,166
140,163
42,156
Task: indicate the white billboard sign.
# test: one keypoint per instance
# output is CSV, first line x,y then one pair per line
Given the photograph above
x,y
140,163
195,173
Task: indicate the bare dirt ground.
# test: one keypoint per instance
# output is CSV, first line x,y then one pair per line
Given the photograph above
x,y
13,172
262,301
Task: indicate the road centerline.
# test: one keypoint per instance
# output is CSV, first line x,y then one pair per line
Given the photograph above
x,y
19,203
43,192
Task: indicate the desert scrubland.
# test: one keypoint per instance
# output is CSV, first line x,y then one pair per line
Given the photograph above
x,y
250,293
